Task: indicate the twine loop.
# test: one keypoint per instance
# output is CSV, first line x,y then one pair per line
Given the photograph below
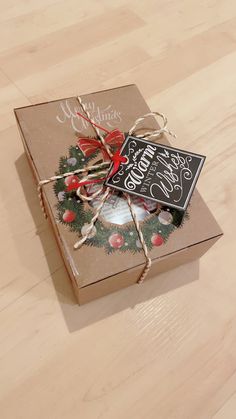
x,y
153,133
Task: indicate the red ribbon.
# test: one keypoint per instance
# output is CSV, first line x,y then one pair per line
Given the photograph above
x,y
90,145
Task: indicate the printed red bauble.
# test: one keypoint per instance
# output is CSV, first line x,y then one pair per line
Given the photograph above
x,y
69,216
116,240
72,182
157,240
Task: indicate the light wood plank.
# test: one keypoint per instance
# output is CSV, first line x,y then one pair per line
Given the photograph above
x,y
165,350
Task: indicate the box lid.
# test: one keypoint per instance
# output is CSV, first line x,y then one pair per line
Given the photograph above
x,y
49,129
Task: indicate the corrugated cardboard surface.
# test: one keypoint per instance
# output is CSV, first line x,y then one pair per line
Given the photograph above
x,y
47,134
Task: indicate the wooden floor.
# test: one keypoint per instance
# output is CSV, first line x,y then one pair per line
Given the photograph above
x,y
164,350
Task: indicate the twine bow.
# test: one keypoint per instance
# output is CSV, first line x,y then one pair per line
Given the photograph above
x,y
89,146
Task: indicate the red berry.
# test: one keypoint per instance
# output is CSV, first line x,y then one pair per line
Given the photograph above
x,y
157,240
69,216
116,240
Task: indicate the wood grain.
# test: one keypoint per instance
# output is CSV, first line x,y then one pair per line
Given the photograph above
x,y
167,349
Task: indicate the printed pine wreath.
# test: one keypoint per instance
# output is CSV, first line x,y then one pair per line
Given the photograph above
x,y
75,215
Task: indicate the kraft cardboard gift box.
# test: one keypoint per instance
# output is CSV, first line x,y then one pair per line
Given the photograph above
x,y
111,258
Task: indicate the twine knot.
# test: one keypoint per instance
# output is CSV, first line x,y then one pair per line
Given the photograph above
x,y
117,158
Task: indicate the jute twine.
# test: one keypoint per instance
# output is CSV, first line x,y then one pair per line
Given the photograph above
x,y
105,191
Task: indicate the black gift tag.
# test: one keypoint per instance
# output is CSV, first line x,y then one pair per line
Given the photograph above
x,y
154,171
